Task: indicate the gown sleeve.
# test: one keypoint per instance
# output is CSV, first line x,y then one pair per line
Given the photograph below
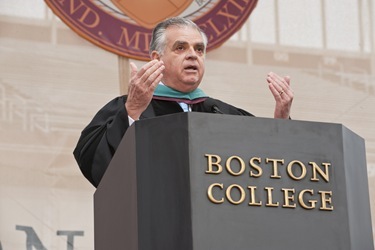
x,y
100,139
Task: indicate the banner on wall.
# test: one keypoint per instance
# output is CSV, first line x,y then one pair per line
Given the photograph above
x,y
124,27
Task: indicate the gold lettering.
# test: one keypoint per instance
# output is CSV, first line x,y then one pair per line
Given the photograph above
x,y
290,172
87,13
211,196
128,41
234,2
147,41
74,9
215,28
211,164
210,36
326,201
316,168
302,202
256,167
269,198
296,170
229,195
275,172
288,198
252,197
224,12
229,168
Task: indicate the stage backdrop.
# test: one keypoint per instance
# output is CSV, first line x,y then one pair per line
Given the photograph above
x,y
52,82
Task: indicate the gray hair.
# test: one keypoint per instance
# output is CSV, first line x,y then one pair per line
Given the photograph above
x,y
158,40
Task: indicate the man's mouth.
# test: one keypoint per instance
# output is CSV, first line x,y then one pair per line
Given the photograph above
x,y
191,68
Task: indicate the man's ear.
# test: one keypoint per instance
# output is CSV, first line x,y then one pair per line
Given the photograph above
x,y
155,55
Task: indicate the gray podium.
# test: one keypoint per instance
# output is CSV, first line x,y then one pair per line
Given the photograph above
x,y
194,181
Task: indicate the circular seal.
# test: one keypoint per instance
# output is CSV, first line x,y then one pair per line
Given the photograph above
x,y
124,26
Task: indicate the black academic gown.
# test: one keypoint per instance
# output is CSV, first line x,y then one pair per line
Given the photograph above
x,y
100,139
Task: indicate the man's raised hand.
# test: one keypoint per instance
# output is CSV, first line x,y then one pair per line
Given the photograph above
x,y
142,86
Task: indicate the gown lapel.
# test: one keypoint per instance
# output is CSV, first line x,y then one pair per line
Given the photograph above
x,y
159,107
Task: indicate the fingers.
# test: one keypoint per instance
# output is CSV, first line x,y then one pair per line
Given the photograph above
x,y
149,73
287,79
147,78
154,75
283,94
133,69
279,85
142,86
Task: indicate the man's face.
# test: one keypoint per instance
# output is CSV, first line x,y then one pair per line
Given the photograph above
x,y
183,58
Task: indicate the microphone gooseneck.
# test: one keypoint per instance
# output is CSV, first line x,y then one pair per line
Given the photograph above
x,y
211,105
215,109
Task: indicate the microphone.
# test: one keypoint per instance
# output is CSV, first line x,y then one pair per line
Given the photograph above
x,y
216,110
213,107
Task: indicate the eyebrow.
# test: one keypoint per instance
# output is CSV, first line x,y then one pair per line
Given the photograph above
x,y
200,44
178,42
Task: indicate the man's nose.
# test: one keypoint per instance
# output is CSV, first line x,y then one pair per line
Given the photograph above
x,y
191,54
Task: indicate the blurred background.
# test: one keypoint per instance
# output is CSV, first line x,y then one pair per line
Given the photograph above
x,y
52,82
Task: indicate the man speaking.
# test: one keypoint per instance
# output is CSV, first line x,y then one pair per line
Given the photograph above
x,y
167,84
